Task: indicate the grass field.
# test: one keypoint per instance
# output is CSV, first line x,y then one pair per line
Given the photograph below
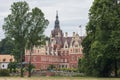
x,y
56,78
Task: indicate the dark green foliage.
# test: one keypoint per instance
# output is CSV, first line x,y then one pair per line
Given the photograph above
x,y
35,28
15,26
80,65
31,67
51,67
4,72
17,53
6,46
12,66
26,28
102,43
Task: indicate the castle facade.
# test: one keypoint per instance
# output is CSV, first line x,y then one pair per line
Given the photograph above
x,y
61,50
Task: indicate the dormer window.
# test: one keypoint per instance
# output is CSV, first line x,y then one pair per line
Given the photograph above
x,y
66,46
76,45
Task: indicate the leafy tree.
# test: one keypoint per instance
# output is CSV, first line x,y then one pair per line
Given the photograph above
x,y
80,65
6,46
26,28
15,26
102,43
17,53
12,66
36,27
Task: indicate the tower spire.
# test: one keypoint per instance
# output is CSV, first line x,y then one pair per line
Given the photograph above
x,y
57,21
56,15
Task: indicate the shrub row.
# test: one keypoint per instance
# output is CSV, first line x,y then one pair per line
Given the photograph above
x,y
4,72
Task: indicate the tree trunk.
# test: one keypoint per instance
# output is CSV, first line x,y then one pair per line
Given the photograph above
x,y
116,74
21,65
29,70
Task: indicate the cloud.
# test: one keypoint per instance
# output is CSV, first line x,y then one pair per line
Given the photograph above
x,y
72,13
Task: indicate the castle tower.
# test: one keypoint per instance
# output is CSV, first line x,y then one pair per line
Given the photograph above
x,y
57,21
57,32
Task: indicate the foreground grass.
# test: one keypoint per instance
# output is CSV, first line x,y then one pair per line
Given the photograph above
x,y
56,78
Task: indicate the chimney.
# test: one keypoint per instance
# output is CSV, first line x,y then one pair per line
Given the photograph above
x,y
66,34
46,43
73,34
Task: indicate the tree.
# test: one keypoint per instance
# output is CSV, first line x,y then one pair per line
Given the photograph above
x,y
80,65
36,27
101,43
26,28
6,46
12,67
17,53
15,26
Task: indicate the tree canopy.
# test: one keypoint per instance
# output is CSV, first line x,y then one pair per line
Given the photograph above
x,y
25,27
6,46
102,43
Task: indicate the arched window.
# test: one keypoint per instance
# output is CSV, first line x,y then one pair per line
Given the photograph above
x,y
66,46
76,44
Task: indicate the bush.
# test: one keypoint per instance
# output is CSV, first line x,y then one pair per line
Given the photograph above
x,y
4,72
12,67
51,67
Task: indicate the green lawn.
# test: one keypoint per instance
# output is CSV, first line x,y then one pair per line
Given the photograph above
x,y
56,78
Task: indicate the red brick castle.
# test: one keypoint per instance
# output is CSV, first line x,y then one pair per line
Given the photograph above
x,y
60,51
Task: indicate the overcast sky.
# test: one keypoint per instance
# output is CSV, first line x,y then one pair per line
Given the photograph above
x,y
72,13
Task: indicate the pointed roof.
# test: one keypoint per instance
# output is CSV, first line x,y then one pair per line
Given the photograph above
x,y
57,21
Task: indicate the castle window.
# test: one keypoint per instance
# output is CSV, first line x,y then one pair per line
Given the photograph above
x,y
4,60
76,45
34,58
66,66
65,46
61,60
71,50
65,60
59,66
73,58
73,66
76,50
11,60
3,66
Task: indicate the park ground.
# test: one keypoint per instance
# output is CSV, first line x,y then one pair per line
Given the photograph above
x,y
56,78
